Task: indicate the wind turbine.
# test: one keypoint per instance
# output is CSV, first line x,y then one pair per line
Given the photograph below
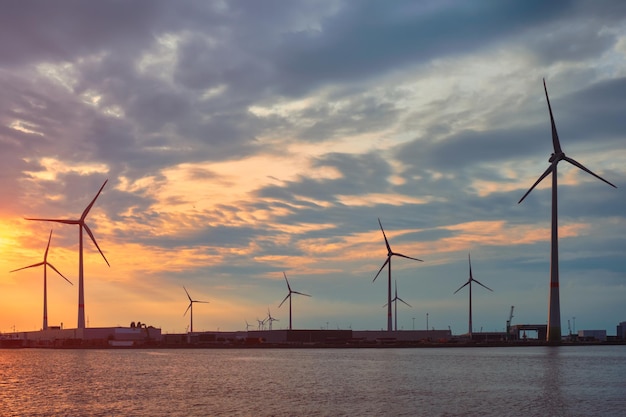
x,y
270,319
247,325
554,308
395,304
45,264
469,282
190,307
390,253
81,226
261,324
289,296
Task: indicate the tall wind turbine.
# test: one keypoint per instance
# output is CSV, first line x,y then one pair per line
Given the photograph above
x,y
289,296
45,264
554,308
390,253
469,282
395,304
190,307
81,226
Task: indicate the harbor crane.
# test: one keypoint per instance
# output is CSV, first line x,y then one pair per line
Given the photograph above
x,y
508,323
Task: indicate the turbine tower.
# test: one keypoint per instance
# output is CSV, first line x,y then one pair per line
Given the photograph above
x,y
45,264
395,305
469,282
289,296
81,226
190,307
554,308
390,253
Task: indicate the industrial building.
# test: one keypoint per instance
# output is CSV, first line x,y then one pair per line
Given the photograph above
x,y
55,336
592,335
309,337
148,336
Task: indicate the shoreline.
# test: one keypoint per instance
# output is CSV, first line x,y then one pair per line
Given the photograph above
x,y
244,346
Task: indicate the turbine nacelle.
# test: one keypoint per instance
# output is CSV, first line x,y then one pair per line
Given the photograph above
x,y
290,292
81,222
471,278
558,155
390,253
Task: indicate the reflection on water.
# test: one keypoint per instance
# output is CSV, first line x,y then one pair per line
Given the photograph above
x,y
552,381
518,381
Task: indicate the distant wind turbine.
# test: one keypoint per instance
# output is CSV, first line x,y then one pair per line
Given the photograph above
x,y
81,226
554,308
395,300
289,296
190,307
45,264
390,253
469,282
261,324
270,319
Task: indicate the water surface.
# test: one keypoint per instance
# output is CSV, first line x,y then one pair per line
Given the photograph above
x,y
514,381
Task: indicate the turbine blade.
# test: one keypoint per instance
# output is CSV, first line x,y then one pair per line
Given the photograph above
x,y
555,136
469,259
482,285
188,296
198,301
407,257
64,221
385,236
93,239
381,268
29,266
86,211
188,307
461,287
401,300
45,255
284,299
300,293
579,165
545,174
287,281
57,271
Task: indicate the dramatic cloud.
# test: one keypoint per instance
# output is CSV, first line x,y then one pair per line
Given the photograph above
x,y
243,139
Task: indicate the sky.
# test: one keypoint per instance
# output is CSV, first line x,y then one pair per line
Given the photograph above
x,y
244,139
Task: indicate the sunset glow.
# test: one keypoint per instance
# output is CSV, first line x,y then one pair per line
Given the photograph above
x,y
238,145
